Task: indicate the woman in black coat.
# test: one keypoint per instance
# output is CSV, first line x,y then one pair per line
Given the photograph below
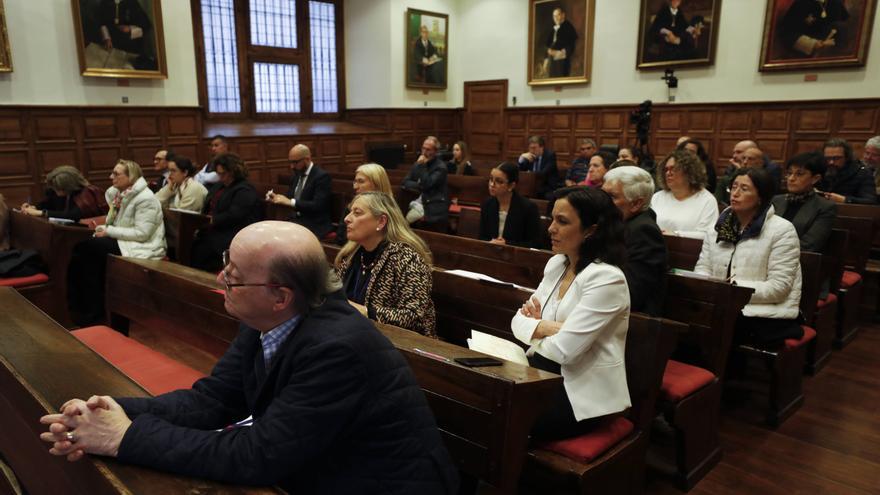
x,y
506,217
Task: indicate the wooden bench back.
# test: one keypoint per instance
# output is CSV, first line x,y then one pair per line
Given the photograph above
x,y
859,240
871,212
833,259
649,343
682,252
811,283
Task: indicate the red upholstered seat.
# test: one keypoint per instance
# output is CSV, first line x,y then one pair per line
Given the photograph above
x,y
849,279
831,299
330,237
809,334
681,380
154,371
587,447
40,278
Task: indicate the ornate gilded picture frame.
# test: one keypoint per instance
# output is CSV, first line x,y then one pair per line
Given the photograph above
x,y
677,33
560,41
120,39
5,48
427,49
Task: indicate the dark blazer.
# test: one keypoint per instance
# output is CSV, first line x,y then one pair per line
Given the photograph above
x,y
338,411
430,179
452,168
548,172
813,221
853,181
523,224
237,207
646,263
314,204
566,36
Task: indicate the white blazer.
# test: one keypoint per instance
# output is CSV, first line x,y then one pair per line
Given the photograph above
x,y
590,346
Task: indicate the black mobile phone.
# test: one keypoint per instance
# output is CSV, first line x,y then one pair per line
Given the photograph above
x,y
472,362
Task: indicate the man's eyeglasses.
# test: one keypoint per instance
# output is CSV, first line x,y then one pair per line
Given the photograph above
x,y
229,286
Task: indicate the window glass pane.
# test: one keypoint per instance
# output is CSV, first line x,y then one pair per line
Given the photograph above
x,y
221,57
273,23
322,21
276,87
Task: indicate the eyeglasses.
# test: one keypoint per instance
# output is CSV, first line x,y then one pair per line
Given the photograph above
x,y
497,182
158,159
229,286
797,174
835,158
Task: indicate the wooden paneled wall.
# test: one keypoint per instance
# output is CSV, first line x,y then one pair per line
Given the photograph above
x,y
412,125
782,129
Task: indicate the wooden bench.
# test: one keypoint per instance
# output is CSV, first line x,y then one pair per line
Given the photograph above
x,y
484,414
859,238
32,387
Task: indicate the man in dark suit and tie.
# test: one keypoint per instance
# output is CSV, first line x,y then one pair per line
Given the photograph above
x,y
542,162
560,45
310,395
310,192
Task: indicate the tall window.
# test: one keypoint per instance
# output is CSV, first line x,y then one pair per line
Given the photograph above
x,y
264,58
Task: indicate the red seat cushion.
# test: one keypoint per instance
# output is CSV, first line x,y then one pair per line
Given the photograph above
x,y
831,299
849,279
809,334
154,371
587,447
40,278
330,237
681,380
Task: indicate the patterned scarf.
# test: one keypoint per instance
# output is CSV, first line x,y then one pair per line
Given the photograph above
x,y
116,205
728,226
799,199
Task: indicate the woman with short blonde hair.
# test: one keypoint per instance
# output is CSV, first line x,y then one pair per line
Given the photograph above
x,y
368,177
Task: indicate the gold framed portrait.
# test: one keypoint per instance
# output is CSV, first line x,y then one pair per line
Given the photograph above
x,y
427,49
120,38
560,41
5,48
676,33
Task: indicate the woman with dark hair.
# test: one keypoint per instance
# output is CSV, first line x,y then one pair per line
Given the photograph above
x,y
753,247
506,217
696,147
577,319
232,204
182,192
812,215
461,160
683,205
69,195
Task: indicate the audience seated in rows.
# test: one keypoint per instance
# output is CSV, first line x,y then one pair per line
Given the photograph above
x,y
331,406
812,215
232,204
368,177
461,160
696,147
427,177
69,195
577,319
4,224
846,180
600,163
577,172
753,247
542,162
310,193
871,160
505,216
747,154
385,267
182,191
631,189
207,175
683,205
134,228
160,164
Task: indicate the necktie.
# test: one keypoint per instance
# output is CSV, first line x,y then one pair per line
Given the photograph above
x,y
299,186
537,165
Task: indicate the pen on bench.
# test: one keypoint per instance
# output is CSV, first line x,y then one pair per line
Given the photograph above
x,y
431,355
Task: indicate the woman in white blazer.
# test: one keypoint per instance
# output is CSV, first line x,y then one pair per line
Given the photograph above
x,y
753,247
182,192
576,321
134,228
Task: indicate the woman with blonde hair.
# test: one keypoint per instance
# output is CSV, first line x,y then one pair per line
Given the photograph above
x,y
68,195
461,160
385,267
368,177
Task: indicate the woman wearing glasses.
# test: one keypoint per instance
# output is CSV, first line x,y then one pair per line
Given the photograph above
x,y
385,268
506,217
182,191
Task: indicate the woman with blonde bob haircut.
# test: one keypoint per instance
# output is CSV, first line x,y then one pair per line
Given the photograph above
x,y
385,268
368,177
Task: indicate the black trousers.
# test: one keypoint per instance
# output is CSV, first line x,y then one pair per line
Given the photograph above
x,y
86,275
205,255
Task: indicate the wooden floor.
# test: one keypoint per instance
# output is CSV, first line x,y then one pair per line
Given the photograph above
x,y
830,446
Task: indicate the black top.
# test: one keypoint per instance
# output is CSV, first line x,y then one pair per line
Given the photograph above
x,y
523,224
357,278
57,206
646,263
452,168
853,181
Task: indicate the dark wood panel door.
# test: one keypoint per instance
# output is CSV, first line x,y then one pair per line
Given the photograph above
x,y
484,104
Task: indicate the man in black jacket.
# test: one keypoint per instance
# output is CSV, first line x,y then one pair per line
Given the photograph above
x,y
428,177
309,194
560,45
846,180
310,396
631,189
542,162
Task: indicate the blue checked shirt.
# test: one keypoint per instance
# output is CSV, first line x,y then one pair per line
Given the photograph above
x,y
273,339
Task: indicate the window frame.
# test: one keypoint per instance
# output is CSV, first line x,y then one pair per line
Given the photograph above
x,y
248,54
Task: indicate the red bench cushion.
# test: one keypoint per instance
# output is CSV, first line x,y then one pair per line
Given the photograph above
x,y
831,299
849,279
154,371
40,278
809,334
681,380
587,447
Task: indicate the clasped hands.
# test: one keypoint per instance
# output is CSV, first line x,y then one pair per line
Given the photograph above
x,y
278,199
532,309
95,426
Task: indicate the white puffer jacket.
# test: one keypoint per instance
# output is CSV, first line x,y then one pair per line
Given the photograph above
x,y
769,263
138,225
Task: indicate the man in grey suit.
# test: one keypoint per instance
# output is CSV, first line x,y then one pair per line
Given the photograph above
x,y
812,215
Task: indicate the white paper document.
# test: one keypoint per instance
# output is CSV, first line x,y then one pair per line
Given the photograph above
x,y
497,347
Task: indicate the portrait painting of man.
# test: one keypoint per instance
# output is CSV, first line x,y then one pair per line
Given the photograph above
x,y
677,32
5,49
426,44
560,41
120,38
816,33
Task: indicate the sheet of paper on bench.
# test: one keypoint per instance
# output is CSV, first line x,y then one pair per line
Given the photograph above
x,y
690,274
480,276
188,212
497,347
